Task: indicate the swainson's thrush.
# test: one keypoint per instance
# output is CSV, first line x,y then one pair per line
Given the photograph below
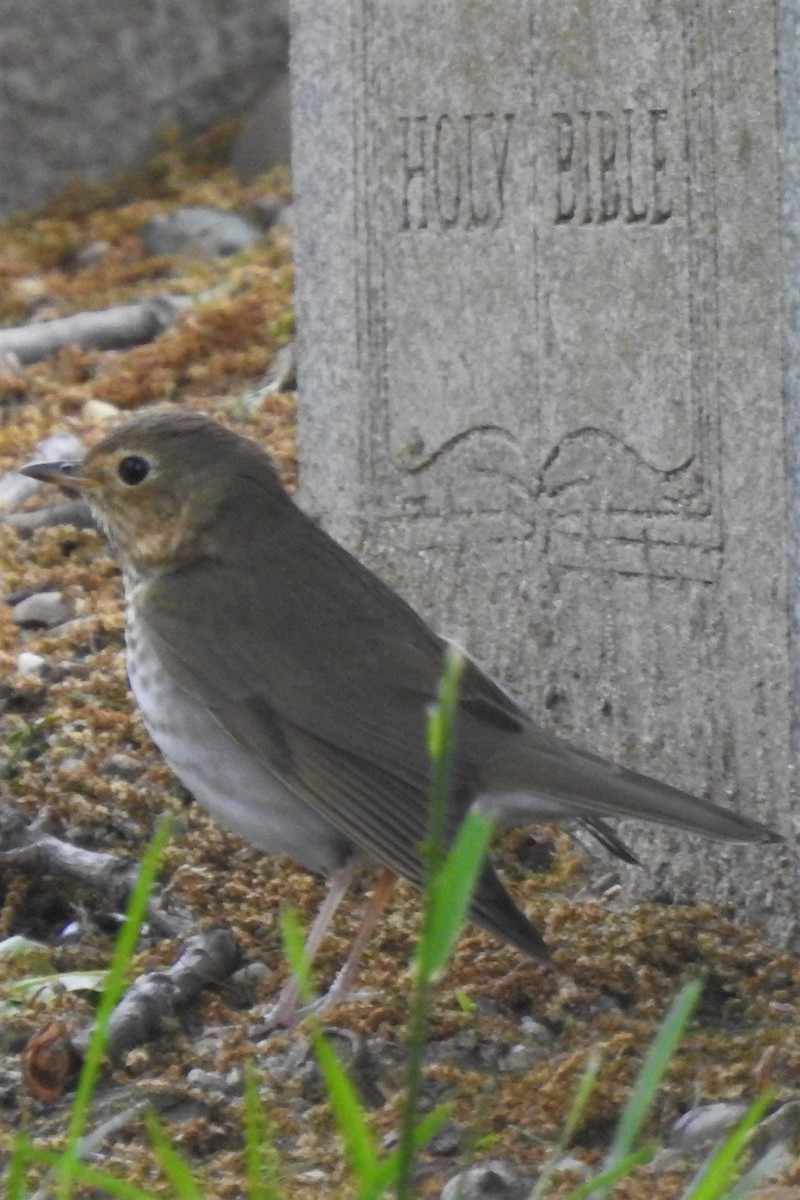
x,y
288,687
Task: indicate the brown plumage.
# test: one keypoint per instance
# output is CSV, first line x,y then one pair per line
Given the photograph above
x,y
288,686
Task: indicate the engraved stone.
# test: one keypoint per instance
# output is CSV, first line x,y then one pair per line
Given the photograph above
x,y
548,378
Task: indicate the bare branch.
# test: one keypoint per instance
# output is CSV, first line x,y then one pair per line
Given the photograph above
x,y
104,329
206,959
73,512
26,847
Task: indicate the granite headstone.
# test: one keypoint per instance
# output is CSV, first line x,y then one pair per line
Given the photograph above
x,y
547,273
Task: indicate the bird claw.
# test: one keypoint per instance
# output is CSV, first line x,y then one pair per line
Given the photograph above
x,y
287,1014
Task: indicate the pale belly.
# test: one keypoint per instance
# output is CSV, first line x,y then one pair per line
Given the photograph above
x,y
237,790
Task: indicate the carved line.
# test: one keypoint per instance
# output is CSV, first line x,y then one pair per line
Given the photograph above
x,y
599,431
452,442
362,243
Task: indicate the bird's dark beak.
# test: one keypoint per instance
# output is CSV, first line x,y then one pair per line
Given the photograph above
x,y
68,474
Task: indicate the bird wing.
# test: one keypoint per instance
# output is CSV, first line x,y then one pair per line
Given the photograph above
x,y
346,660
295,699
347,670
271,649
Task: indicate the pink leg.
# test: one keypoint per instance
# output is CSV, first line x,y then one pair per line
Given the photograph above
x,y
372,914
286,1012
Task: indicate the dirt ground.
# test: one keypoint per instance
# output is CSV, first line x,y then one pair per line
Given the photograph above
x,y
509,1039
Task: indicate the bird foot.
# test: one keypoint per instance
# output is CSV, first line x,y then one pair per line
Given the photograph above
x,y
285,1015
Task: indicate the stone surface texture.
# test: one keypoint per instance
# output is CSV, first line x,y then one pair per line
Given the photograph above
x,y
86,89
547,304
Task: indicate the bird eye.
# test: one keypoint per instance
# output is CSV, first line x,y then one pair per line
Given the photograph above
x,y
133,469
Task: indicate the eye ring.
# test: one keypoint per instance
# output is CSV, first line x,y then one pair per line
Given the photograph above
x,y
133,469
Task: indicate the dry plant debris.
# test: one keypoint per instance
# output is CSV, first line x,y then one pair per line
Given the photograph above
x,y
509,1038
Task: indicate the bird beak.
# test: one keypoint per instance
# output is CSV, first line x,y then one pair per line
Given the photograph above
x,y
65,474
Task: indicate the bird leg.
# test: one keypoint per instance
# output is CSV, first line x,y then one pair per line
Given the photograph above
x,y
286,1013
372,914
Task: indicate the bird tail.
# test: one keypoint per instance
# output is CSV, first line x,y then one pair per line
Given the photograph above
x,y
543,778
493,908
610,840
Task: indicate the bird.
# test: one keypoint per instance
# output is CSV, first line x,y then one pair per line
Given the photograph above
x,y
288,687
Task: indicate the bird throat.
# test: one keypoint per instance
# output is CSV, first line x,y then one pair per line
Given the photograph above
x,y
144,547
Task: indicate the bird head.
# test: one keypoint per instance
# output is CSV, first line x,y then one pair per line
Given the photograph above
x,y
156,484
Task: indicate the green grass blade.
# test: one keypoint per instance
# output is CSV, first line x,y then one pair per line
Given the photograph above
x,y
260,1156
441,738
387,1173
451,891
718,1172
124,949
651,1074
776,1160
294,949
173,1166
583,1095
622,1158
373,1175
345,1104
348,1111
450,880
602,1183
448,886
16,1186
92,1177
45,987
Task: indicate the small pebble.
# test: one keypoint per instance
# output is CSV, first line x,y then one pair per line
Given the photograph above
x,y
535,1029
30,664
520,1058
208,1081
68,766
73,512
100,411
446,1143
494,1180
72,932
703,1125
46,609
15,488
121,766
90,254
252,974
569,1162
199,232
